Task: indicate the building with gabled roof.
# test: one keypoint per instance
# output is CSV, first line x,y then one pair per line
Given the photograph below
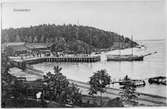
x,y
38,46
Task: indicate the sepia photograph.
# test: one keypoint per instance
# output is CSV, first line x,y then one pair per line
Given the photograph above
x,y
83,53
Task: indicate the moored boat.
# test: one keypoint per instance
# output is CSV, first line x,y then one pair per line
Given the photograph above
x,y
129,57
158,80
136,83
124,58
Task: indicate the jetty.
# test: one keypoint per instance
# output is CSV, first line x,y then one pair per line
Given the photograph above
x,y
20,62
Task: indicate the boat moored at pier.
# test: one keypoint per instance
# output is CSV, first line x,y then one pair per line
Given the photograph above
x,y
124,58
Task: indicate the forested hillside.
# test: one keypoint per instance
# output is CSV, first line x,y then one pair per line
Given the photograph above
x,y
71,37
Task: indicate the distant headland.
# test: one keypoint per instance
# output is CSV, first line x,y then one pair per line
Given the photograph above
x,y
76,38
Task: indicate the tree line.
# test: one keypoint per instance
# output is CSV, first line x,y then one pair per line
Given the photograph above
x,y
66,37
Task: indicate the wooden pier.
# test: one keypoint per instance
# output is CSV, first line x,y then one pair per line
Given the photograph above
x,y
21,63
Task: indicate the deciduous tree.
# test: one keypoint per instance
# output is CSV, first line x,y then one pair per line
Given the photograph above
x,y
128,94
98,82
57,88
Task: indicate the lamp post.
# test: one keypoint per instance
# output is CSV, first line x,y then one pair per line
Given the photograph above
x,y
100,81
43,93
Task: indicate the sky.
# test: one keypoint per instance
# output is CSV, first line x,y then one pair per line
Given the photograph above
x,y
144,19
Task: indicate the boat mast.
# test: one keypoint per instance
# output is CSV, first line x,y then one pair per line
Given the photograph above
x,y
90,36
77,33
132,44
119,46
89,39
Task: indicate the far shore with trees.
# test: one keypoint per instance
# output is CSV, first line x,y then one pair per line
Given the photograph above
x,y
75,38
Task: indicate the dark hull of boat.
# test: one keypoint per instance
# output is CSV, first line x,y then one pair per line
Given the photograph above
x,y
125,58
136,83
158,80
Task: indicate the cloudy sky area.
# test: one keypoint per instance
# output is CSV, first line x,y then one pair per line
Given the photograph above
x,y
144,19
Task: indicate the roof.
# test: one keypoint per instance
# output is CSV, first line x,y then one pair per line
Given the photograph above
x,y
34,84
36,45
11,44
14,43
18,48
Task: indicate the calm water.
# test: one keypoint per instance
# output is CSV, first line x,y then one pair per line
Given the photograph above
x,y
153,65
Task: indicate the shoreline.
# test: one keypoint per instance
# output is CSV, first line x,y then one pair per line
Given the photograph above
x,y
152,95
39,73
148,99
144,98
